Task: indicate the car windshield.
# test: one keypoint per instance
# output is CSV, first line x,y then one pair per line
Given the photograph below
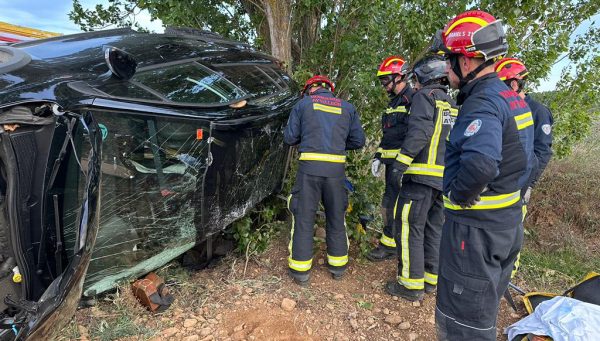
x,y
193,82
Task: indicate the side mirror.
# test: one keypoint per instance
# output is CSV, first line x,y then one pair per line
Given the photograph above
x,y
120,63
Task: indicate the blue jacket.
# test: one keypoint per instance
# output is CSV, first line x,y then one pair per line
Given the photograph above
x,y
542,142
324,127
489,153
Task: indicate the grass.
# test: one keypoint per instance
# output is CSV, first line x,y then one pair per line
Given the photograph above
x,y
563,230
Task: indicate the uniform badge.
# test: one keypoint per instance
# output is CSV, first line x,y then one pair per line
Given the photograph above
x,y
547,129
473,128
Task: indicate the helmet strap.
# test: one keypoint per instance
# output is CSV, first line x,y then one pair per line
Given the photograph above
x,y
471,75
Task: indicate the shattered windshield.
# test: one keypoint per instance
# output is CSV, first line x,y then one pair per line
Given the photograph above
x,y
196,83
190,83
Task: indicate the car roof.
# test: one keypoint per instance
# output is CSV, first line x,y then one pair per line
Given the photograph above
x,y
80,56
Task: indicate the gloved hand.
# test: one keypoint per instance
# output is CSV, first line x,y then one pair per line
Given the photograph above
x,y
376,168
527,196
397,177
466,204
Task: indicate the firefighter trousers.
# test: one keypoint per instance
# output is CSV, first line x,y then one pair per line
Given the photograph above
x,y
418,220
388,202
475,268
307,193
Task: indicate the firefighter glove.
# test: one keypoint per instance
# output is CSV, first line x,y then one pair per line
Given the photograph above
x,y
527,195
376,168
466,204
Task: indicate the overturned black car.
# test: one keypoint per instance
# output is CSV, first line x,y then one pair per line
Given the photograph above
x,y
146,144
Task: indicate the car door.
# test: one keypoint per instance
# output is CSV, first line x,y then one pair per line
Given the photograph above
x,y
50,174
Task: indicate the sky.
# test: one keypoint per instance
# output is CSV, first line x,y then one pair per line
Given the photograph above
x,y
53,16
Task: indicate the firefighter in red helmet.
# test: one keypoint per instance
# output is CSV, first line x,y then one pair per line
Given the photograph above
x,y
489,158
392,74
324,127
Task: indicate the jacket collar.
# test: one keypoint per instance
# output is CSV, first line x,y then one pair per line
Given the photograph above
x,y
474,86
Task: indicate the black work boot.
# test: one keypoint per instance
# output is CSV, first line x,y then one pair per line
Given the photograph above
x,y
299,278
337,274
381,253
430,288
396,289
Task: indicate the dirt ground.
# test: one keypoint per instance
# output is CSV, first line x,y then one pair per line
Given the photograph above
x,y
256,300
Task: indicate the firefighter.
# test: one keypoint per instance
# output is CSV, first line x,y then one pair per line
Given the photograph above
x,y
417,171
392,74
489,156
514,74
324,127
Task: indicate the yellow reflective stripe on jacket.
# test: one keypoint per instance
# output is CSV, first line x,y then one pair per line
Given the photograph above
x,y
322,157
299,265
387,241
388,153
412,283
405,159
524,120
327,108
337,260
437,132
289,201
404,234
396,109
431,278
425,169
489,202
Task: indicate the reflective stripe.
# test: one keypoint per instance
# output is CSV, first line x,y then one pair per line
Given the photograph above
x,y
322,157
412,283
425,169
293,224
516,266
388,153
299,265
524,210
405,159
431,278
474,20
404,240
337,260
437,132
396,109
488,202
327,108
387,241
524,120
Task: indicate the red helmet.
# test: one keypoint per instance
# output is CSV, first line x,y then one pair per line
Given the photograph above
x,y
474,34
511,68
393,65
318,80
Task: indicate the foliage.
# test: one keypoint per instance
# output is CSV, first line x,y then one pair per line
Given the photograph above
x,y
347,40
255,231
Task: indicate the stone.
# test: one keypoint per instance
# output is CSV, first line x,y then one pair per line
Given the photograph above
x,y
245,297
412,336
396,334
169,332
404,325
515,315
238,336
370,320
416,304
376,296
191,338
354,324
208,338
240,327
431,320
205,331
188,323
386,311
309,330
393,319
288,304
395,298
249,290
329,306
338,297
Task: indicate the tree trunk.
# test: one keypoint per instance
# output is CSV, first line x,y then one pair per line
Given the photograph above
x,y
278,14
